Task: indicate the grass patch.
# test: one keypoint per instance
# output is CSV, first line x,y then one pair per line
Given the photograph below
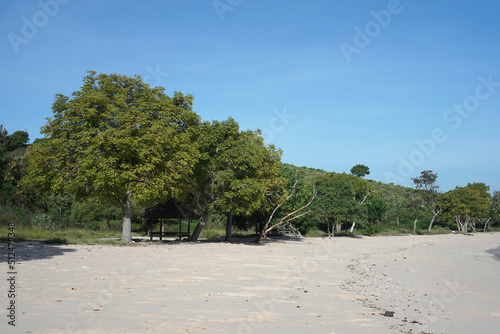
x,y
314,232
55,241
68,236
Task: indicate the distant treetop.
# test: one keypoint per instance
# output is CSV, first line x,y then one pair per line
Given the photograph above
x,y
360,170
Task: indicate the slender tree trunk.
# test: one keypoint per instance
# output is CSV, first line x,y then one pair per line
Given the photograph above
x,y
486,225
397,221
351,230
434,215
415,226
197,230
127,218
229,226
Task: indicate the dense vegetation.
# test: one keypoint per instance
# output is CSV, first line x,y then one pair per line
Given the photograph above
x,y
118,146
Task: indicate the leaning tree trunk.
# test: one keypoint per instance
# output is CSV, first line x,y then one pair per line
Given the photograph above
x,y
351,230
434,215
229,227
486,225
127,218
197,230
415,226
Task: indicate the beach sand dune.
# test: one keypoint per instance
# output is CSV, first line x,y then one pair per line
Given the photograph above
x,y
400,284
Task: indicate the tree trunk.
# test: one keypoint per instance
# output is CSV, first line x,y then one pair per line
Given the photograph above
x,y
415,226
197,230
261,235
127,218
434,215
351,230
486,225
229,226
338,227
397,221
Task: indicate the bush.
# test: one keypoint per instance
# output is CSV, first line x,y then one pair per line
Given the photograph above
x,y
97,225
44,221
213,234
371,229
56,241
314,231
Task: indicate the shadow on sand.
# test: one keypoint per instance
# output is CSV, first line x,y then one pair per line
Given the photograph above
x,y
249,241
29,251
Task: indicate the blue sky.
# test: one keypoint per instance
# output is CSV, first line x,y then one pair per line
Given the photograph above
x,y
400,86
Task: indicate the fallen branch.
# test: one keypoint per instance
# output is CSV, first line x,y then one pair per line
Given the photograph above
x,y
288,217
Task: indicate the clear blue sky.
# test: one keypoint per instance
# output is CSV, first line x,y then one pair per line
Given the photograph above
x,y
400,86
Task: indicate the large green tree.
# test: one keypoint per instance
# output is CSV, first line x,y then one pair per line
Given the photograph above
x,y
466,205
234,172
335,203
116,138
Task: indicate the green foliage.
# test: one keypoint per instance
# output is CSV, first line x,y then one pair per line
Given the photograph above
x,y
93,210
302,193
376,209
360,170
335,203
371,228
495,206
234,172
17,140
314,231
114,136
44,221
56,241
466,205
71,236
14,214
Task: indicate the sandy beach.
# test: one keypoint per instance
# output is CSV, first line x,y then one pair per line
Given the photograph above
x,y
400,284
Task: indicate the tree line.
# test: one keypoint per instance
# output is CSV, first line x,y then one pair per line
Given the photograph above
x,y
118,145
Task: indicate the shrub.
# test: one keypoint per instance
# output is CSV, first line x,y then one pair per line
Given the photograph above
x,y
371,229
44,221
97,225
314,231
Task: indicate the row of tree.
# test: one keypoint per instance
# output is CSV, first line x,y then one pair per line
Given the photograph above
x,y
119,141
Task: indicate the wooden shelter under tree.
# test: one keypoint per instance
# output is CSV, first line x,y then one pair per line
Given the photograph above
x,y
171,209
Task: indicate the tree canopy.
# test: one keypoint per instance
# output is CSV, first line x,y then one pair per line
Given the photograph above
x,y
116,138
466,205
360,170
234,172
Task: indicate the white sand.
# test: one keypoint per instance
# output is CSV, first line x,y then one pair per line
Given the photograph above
x,y
434,284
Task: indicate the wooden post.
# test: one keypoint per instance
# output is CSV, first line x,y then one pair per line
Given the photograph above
x,y
161,228
150,228
180,228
